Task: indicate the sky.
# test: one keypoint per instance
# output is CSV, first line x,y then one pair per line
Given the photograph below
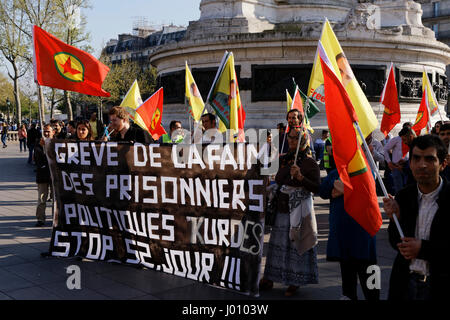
x,y
109,18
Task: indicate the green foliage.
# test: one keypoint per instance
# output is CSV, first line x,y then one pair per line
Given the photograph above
x,y
119,80
7,91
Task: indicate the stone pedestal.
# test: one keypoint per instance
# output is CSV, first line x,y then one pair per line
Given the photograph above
x,y
282,35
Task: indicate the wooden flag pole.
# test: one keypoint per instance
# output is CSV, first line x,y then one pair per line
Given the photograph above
x,y
377,173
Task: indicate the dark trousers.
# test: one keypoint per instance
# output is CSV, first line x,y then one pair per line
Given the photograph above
x,y
24,143
4,136
417,288
350,271
30,154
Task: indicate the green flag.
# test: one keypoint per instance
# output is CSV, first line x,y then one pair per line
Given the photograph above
x,y
310,107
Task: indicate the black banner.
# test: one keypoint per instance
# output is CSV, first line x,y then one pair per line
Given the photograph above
x,y
189,210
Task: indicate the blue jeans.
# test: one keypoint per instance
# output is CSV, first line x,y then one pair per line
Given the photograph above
x,y
30,154
4,139
24,143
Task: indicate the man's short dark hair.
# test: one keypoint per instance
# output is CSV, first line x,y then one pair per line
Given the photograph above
x,y
427,141
212,117
324,131
292,110
173,123
405,132
445,127
407,124
72,123
281,125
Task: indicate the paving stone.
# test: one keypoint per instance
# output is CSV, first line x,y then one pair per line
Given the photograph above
x,y
33,293
61,291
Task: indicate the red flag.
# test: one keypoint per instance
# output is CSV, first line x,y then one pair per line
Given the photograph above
x,y
389,99
151,113
405,149
360,199
297,102
241,114
62,66
423,117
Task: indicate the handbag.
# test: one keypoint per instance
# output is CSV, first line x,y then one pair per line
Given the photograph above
x,y
271,207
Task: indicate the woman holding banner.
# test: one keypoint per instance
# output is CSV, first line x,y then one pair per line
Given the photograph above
x,y
291,260
84,131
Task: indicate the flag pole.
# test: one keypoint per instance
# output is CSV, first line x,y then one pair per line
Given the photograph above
x,y
433,95
284,139
377,173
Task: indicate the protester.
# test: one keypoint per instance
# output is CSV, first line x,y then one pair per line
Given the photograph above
x,y
376,149
59,133
175,135
84,131
120,128
268,152
43,179
284,264
71,130
437,126
33,136
4,133
319,146
388,181
398,164
386,139
96,126
328,159
22,135
444,135
420,270
348,242
282,132
210,132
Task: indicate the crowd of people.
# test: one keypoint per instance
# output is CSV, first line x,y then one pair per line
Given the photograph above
x,y
415,173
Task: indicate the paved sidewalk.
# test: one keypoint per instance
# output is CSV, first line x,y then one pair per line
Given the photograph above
x,y
24,274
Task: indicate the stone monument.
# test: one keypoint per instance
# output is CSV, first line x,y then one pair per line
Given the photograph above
x,y
274,41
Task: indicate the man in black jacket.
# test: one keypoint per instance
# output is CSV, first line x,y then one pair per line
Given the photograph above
x,y
421,270
43,179
121,130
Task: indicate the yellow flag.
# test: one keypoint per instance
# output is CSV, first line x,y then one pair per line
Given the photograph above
x,y
193,96
132,101
366,117
225,98
288,100
431,97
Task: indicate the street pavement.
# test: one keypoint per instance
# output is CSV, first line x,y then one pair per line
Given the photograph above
x,y
26,275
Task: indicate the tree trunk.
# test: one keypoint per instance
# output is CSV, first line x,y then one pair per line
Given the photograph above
x,y
68,105
17,95
52,104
